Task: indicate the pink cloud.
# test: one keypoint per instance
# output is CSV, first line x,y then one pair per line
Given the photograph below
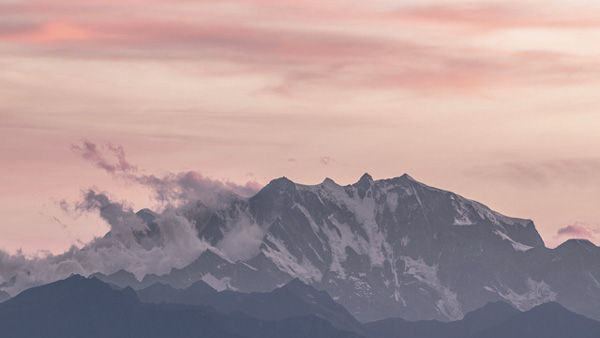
x,y
310,54
48,32
577,230
496,15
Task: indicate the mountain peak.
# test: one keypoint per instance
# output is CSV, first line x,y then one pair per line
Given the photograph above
x,y
280,185
365,178
281,182
407,176
328,181
363,184
577,243
492,309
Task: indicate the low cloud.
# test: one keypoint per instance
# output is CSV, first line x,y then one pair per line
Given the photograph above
x,y
144,242
130,244
242,241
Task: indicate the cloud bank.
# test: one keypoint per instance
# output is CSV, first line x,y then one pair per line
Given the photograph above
x,y
144,242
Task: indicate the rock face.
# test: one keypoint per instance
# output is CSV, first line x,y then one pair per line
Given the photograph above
x,y
386,248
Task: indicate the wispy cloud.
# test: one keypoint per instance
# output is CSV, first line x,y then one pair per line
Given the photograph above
x,y
326,160
318,55
97,155
542,173
495,15
169,188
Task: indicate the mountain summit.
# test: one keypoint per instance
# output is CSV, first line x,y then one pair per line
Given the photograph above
x,y
383,248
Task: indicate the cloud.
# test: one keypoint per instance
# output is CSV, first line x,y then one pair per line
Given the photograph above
x,y
193,186
326,160
55,219
172,188
542,173
318,55
497,16
578,230
130,244
242,241
121,218
97,155
144,242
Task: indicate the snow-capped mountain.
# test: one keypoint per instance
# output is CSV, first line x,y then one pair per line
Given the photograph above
x,y
385,248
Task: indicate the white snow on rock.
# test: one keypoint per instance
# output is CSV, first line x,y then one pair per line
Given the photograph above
x,y
462,216
218,284
594,279
448,303
516,245
404,241
486,213
365,210
288,263
537,293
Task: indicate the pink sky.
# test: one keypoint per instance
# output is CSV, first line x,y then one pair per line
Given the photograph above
x,y
494,100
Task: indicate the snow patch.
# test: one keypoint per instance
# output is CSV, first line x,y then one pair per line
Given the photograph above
x,y
448,304
218,284
537,293
249,266
288,263
392,200
462,215
365,210
316,252
594,279
516,245
486,213
404,241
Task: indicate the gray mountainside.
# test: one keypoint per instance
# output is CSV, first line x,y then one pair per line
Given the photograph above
x,y
385,248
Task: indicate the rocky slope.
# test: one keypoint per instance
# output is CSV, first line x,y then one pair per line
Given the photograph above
x,y
385,248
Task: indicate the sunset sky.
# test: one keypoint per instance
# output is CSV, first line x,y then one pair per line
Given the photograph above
x,y
497,101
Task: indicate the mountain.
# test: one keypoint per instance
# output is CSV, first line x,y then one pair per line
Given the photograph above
x,y
495,320
549,320
196,294
490,315
572,272
384,248
294,299
4,296
81,307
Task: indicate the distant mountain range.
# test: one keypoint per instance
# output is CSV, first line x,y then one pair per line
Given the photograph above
x,y
82,307
382,248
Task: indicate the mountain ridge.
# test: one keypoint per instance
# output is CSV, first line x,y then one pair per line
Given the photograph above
x,y
389,247
88,307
